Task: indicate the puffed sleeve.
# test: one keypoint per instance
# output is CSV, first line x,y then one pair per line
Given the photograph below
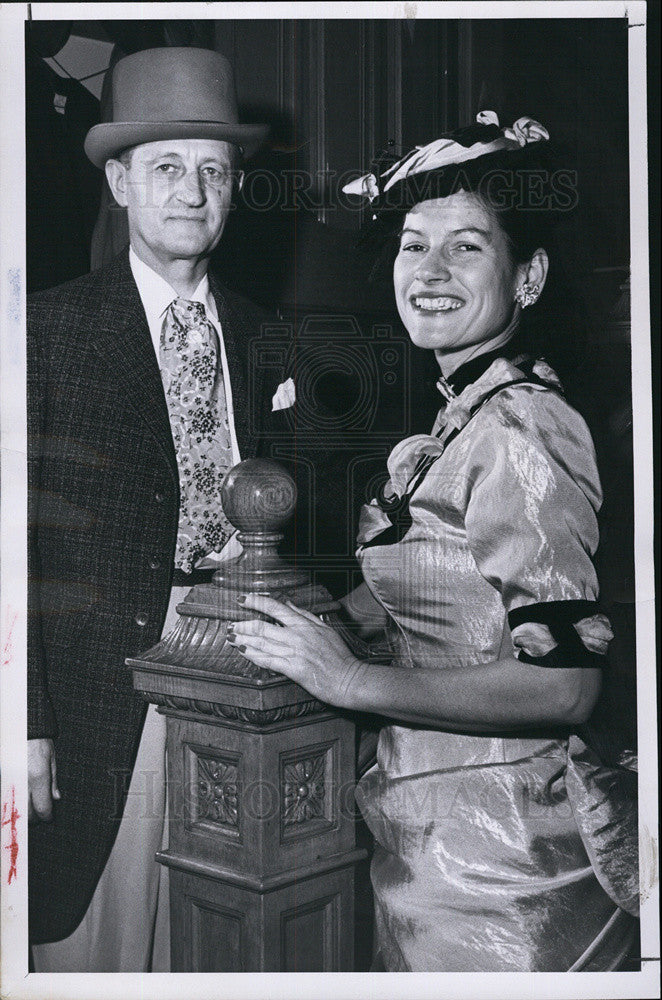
x,y
531,524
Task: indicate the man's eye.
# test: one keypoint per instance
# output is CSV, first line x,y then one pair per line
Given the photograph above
x,y
215,174
166,168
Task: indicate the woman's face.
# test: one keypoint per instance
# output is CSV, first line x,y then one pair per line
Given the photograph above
x,y
453,276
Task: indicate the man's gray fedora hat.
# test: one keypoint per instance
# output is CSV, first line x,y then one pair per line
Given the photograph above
x,y
172,93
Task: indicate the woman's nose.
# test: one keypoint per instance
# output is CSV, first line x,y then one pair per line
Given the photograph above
x,y
191,190
433,267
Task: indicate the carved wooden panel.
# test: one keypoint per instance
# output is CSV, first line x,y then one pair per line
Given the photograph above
x,y
214,789
308,779
216,933
310,936
302,926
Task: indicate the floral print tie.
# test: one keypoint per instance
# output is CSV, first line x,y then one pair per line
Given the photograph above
x,y
192,377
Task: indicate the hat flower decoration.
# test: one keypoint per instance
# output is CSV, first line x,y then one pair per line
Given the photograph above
x,y
447,153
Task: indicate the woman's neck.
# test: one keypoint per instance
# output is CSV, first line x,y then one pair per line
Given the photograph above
x,y
450,362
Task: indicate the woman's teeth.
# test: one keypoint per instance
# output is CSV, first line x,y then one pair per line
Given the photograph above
x,y
439,304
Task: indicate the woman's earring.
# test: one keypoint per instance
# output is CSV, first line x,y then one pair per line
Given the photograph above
x,y
527,294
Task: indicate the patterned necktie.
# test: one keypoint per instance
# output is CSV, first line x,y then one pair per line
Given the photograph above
x,y
192,376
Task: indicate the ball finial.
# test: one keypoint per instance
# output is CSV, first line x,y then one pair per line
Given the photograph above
x,y
258,495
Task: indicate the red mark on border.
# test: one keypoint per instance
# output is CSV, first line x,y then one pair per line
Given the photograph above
x,y
8,648
9,817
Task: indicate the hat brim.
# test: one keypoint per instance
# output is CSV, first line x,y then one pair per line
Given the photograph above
x,y
108,139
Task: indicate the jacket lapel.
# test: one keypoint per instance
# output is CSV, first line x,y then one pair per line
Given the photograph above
x,y
125,347
246,381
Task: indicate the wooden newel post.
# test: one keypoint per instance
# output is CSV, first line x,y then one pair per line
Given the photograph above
x,y
260,775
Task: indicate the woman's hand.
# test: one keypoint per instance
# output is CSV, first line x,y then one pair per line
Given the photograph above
x,y
300,646
484,697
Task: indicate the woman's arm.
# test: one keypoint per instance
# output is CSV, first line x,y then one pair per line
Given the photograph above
x,y
532,492
496,696
503,694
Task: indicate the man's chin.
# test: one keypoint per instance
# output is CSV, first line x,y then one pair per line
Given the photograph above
x,y
188,249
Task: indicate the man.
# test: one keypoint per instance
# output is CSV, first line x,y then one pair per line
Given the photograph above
x,y
140,399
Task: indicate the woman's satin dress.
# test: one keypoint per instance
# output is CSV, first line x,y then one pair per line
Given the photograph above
x,y
504,851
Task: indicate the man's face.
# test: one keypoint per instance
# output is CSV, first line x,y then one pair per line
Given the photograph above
x,y
177,193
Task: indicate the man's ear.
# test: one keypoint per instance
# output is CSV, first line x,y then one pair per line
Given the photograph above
x,y
117,180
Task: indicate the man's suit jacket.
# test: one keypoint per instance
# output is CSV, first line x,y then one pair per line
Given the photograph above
x,y
103,513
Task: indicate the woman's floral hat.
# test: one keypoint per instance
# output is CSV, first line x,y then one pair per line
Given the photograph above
x,y
434,170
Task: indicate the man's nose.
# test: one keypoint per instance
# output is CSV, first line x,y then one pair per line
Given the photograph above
x,y
191,189
434,266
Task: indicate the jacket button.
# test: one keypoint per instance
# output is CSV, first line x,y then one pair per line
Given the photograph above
x,y
159,497
141,619
155,563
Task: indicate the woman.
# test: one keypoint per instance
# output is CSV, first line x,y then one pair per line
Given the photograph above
x,y
502,841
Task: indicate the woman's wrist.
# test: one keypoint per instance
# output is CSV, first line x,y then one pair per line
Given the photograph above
x,y
352,685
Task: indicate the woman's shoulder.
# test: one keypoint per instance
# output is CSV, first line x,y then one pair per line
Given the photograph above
x,y
530,424
517,398
529,397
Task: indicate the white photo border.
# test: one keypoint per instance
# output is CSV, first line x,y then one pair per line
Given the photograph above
x,y
16,981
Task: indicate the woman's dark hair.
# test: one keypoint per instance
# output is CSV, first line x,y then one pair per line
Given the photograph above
x,y
525,231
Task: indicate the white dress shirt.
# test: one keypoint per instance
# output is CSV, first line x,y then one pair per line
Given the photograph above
x,y
156,295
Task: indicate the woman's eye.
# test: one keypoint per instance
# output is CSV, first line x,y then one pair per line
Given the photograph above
x,y
468,247
413,247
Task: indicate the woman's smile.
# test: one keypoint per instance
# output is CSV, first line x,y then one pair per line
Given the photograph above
x,y
454,278
436,303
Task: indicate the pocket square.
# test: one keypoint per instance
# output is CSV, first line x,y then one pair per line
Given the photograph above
x,y
284,396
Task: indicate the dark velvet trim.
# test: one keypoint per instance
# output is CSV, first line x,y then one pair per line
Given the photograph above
x,y
553,613
560,617
472,370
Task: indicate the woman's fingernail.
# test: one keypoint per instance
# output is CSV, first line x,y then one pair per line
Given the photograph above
x,y
262,593
231,638
241,599
242,649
